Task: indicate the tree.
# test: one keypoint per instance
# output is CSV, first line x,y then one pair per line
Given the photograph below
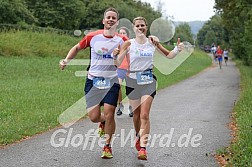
x,y
15,11
62,14
127,8
213,31
236,20
71,15
184,32
248,39
209,38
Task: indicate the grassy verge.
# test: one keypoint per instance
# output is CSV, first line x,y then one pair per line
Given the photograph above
x,y
197,62
23,43
34,91
240,151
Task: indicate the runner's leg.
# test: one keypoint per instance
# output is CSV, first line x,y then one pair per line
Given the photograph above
x,y
94,114
146,102
135,104
109,112
119,111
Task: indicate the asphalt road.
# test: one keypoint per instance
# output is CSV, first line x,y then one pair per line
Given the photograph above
x,y
188,124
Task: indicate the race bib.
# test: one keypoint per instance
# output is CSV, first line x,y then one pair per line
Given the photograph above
x,y
145,77
101,82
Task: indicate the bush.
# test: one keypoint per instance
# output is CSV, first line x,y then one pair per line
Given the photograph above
x,y
25,27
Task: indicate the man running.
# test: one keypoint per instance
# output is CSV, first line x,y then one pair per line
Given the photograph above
x,y
219,54
214,53
101,87
225,53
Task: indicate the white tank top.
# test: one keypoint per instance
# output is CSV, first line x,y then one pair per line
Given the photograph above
x,y
141,57
225,53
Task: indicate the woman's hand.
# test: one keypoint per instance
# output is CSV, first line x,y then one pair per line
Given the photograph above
x,y
154,40
179,47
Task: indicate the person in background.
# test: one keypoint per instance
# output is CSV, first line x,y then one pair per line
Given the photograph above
x,y
121,72
213,49
225,54
219,53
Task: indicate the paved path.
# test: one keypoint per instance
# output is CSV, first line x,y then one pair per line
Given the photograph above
x,y
190,119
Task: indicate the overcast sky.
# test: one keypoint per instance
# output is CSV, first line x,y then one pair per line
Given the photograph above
x,y
186,10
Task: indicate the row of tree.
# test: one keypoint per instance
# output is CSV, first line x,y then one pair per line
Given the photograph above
x,y
213,31
69,15
237,19
80,14
231,26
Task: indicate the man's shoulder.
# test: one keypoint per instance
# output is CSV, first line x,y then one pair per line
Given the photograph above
x,y
96,32
85,42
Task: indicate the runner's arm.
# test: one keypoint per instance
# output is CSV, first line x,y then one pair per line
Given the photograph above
x,y
71,54
167,53
119,56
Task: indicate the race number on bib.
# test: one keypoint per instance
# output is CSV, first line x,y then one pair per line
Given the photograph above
x,y
101,83
145,77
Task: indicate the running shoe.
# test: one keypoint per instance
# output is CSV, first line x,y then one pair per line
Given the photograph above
x,y
130,112
119,112
107,152
137,143
120,109
142,154
101,131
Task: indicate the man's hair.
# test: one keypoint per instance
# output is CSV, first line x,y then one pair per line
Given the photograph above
x,y
140,18
113,10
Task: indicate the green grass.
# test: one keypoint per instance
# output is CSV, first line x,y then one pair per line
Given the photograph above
x,y
34,91
242,149
222,151
197,62
23,43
